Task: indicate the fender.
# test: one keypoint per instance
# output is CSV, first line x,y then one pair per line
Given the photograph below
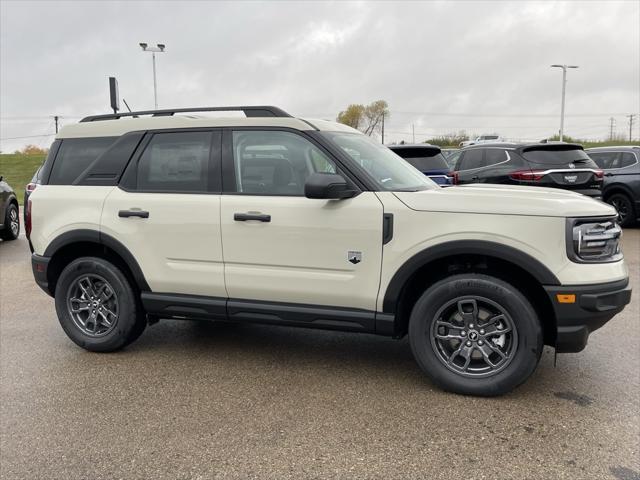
x,y
464,247
94,236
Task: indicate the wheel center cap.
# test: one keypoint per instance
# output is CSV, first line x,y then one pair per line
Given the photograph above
x,y
473,335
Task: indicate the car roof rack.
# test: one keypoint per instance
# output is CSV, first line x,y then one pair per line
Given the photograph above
x,y
249,111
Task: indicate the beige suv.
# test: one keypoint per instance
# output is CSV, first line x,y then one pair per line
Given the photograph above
x,y
275,219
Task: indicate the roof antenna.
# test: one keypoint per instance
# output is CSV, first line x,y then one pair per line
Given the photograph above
x,y
126,105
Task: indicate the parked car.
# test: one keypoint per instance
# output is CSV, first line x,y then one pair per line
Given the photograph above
x,y
556,165
9,216
322,227
482,139
621,187
426,158
30,187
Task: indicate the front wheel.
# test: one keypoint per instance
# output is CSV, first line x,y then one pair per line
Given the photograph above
x,y
476,335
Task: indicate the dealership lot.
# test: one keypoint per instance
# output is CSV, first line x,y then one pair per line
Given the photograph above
x,y
197,400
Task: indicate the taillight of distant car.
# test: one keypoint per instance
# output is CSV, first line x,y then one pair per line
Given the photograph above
x,y
527,175
599,174
454,177
31,187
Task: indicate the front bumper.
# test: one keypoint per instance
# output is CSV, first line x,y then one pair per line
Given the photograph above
x,y
594,306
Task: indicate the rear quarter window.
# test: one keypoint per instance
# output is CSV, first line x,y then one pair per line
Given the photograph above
x,y
75,155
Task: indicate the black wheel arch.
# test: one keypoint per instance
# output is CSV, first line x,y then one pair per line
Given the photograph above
x,y
466,256
86,242
617,188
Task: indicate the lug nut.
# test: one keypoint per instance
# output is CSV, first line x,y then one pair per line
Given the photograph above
x,y
468,344
463,333
471,325
481,332
480,342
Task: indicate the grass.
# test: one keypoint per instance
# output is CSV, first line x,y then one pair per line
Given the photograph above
x,y
17,170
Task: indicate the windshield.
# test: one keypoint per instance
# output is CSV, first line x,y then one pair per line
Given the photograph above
x,y
389,171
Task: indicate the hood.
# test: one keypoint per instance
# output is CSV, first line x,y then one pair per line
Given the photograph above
x,y
506,200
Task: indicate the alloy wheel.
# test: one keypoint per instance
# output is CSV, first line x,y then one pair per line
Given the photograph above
x,y
93,305
474,336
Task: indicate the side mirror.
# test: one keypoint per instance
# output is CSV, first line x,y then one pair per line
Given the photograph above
x,y
328,186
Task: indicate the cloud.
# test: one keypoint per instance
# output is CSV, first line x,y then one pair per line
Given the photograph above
x,y
443,66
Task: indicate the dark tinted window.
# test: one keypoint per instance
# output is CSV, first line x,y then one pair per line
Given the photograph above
x,y
472,159
627,159
423,158
555,156
494,155
175,162
603,159
75,155
276,163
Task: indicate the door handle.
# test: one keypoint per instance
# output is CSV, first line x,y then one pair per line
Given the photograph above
x,y
243,217
133,213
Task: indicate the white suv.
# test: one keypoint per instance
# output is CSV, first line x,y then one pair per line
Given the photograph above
x,y
309,223
482,139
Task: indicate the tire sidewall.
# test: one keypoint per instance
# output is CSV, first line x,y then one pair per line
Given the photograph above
x,y
524,318
127,317
631,215
7,234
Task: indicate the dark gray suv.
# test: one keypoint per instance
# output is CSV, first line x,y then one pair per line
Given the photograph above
x,y
621,187
9,217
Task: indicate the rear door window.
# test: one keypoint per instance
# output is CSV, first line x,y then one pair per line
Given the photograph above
x,y
75,155
472,159
627,159
494,156
604,160
175,162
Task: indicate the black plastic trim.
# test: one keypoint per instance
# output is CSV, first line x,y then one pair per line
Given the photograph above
x,y
100,238
387,228
39,266
595,305
315,316
463,247
172,305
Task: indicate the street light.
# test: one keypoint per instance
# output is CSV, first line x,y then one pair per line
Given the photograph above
x,y
159,48
564,86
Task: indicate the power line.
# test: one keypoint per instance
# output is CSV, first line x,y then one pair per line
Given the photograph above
x,y
28,136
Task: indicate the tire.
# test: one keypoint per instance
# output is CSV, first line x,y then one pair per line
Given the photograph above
x,y
624,205
11,228
106,313
505,321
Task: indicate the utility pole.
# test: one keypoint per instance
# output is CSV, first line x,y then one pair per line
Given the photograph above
x,y
630,124
564,87
612,124
383,127
55,118
413,132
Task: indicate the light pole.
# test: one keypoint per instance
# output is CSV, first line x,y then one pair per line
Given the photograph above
x,y
564,87
159,48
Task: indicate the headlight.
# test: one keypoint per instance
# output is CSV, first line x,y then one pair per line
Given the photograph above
x,y
592,240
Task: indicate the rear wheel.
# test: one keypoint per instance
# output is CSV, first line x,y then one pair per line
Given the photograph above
x,y
624,205
11,228
96,305
475,334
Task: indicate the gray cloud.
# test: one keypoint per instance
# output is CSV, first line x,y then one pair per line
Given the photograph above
x,y
485,62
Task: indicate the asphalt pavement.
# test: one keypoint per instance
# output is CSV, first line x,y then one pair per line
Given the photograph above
x,y
194,400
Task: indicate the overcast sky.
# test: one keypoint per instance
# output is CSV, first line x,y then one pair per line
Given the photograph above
x,y
442,66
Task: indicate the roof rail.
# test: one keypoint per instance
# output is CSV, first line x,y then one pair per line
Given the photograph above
x,y
254,111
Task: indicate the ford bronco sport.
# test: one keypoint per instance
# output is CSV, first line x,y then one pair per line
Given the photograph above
x,y
275,219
